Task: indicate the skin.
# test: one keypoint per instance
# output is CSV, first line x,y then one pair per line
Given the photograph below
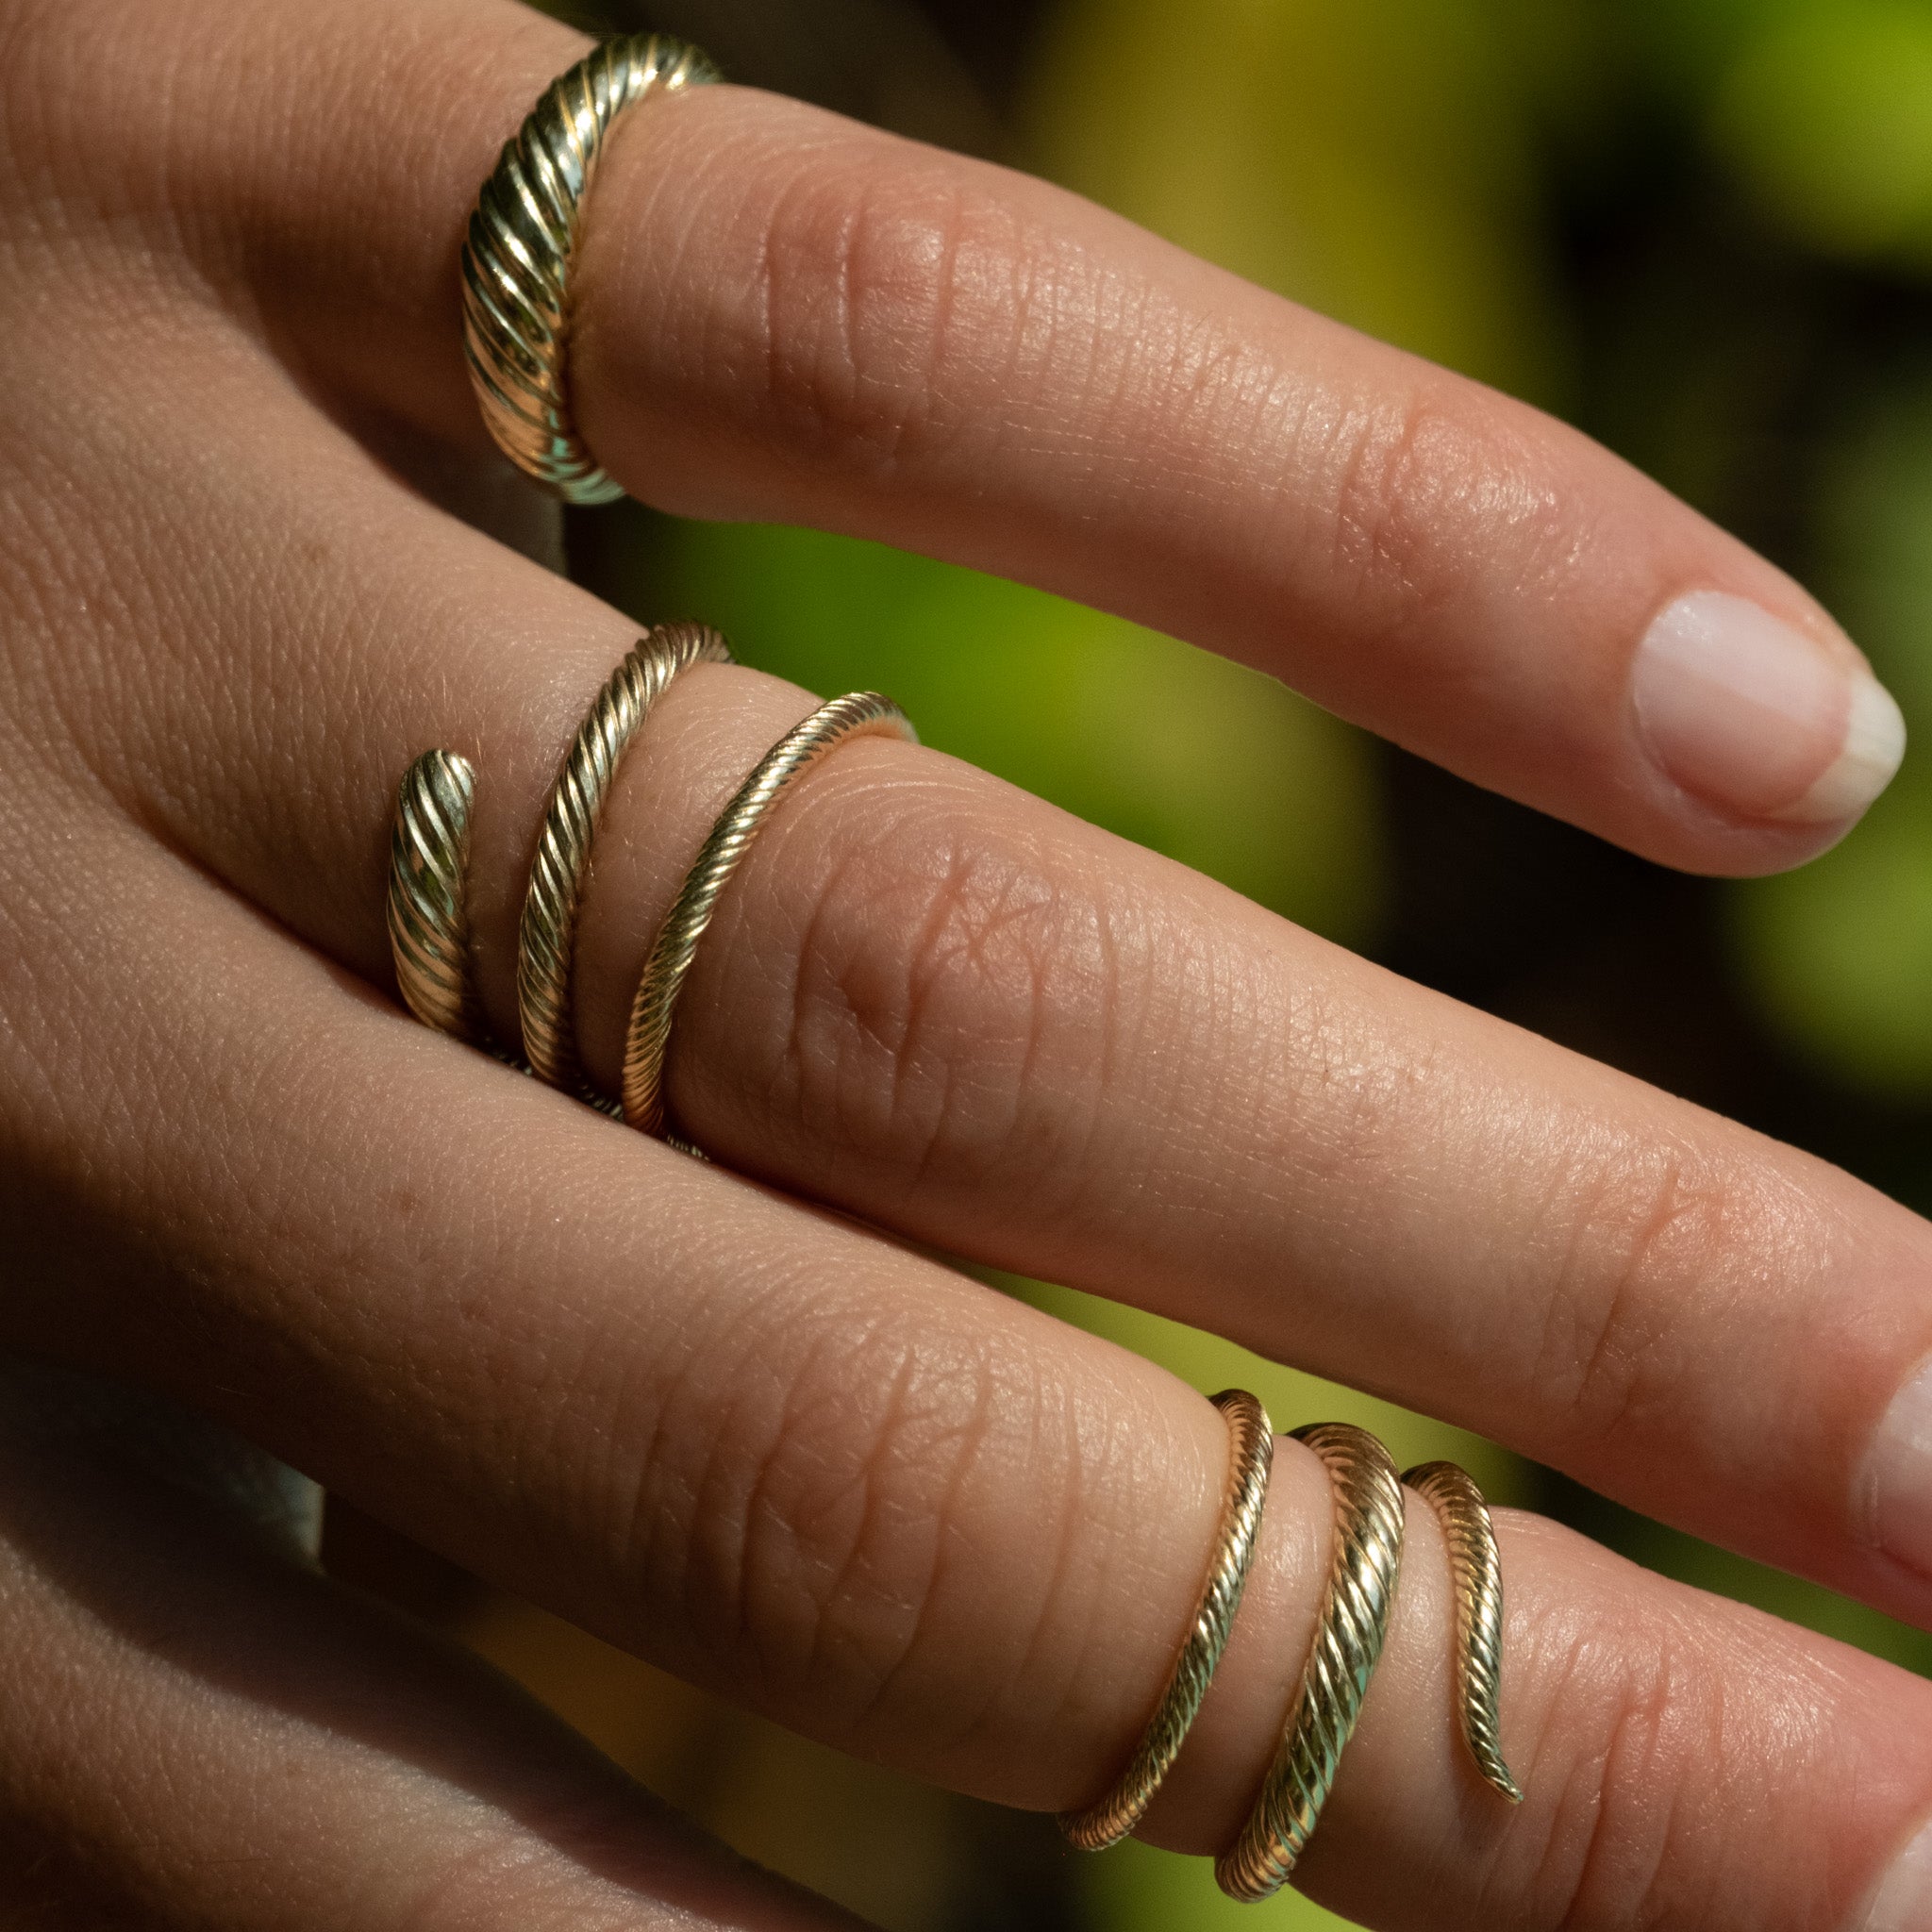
x,y
257,556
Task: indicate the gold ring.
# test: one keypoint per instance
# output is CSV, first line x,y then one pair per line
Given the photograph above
x,y
1251,1451
1475,1575
857,714
1349,1634
546,935
428,910
522,243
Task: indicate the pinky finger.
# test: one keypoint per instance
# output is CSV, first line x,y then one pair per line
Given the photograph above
x,y
202,1732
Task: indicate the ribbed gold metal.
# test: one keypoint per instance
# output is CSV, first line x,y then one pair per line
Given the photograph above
x,y
521,248
857,714
428,895
546,937
1349,1634
1251,1452
1475,1574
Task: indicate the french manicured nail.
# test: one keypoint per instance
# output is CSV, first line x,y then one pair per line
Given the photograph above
x,y
1758,720
1899,1469
1904,1901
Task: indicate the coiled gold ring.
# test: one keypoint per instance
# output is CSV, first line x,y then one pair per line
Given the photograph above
x,y
1352,1622
428,914
1250,1455
862,713
430,864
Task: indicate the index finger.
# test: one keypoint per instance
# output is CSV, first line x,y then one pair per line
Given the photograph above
x,y
785,315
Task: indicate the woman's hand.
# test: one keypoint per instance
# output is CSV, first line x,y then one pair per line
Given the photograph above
x,y
771,1449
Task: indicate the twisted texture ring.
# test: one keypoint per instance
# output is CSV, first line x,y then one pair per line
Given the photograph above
x,y
546,937
522,245
1251,1451
1348,1644
430,938
428,895
1475,1574
857,714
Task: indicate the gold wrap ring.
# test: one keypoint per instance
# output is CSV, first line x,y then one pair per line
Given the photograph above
x,y
1475,1576
521,246
430,864
546,935
859,714
1250,1455
428,880
1350,1626
1349,1631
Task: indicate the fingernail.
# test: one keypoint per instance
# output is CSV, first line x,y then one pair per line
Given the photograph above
x,y
1899,1468
1756,718
1904,1901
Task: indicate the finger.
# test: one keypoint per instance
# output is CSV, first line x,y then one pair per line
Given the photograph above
x,y
871,1498
953,1011
783,315
202,1732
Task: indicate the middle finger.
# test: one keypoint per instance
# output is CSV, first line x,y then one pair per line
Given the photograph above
x,y
954,1010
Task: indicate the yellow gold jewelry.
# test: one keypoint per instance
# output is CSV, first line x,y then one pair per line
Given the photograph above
x,y
1475,1574
523,245
1349,1633
546,937
428,914
1251,1451
859,714
428,895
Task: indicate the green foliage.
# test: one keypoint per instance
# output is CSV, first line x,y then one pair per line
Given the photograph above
x,y
1132,1886
1840,952
1826,115
1369,160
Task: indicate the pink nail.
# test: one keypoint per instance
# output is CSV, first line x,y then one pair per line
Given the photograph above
x,y
1752,716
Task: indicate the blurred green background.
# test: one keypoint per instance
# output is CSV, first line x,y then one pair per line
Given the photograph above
x,y
1701,230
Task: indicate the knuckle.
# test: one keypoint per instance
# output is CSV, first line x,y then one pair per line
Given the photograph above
x,y
1649,1746
867,272
952,1014
801,1521
1422,462
1640,1720
1632,1233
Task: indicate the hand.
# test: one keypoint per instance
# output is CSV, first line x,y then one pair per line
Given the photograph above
x,y
259,555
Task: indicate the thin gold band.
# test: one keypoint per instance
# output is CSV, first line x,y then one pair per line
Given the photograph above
x,y
521,246
1475,1575
1251,1451
1349,1633
546,935
857,714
